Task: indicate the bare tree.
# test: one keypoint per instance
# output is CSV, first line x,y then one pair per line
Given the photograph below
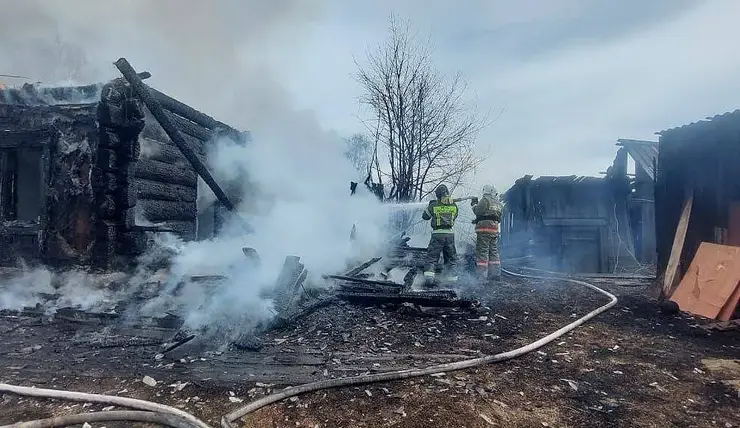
x,y
359,151
421,122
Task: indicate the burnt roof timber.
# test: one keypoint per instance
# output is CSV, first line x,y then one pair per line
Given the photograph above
x,y
623,141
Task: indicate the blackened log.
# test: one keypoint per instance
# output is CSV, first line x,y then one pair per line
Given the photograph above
x,y
31,138
163,152
150,189
165,173
109,138
107,207
129,218
154,132
132,242
106,238
164,120
103,181
126,196
107,159
194,115
126,173
156,211
184,229
191,128
130,150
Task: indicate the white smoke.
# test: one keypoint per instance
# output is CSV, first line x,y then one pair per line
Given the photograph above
x,y
214,56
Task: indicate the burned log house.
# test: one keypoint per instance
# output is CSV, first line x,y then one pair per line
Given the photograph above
x,y
698,167
585,224
86,173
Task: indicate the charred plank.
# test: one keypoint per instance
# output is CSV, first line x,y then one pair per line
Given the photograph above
x,y
363,281
362,267
429,299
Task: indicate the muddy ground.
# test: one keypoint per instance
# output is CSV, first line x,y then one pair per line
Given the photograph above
x,y
633,366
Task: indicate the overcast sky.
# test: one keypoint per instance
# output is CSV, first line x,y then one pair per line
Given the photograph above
x,y
569,76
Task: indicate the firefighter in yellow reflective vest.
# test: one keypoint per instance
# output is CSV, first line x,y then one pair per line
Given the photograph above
x,y
487,217
442,214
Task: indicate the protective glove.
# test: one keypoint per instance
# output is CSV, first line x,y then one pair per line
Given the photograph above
x,y
474,202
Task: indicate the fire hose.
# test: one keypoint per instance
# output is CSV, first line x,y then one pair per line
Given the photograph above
x,y
152,412
170,416
228,420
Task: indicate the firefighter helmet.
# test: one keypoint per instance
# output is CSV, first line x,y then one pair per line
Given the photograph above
x,y
441,191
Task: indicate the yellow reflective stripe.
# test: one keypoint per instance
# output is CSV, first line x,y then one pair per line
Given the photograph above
x,y
440,210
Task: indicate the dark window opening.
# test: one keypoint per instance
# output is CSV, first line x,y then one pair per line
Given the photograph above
x,y
20,185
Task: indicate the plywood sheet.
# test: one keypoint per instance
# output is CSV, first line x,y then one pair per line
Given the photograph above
x,y
710,282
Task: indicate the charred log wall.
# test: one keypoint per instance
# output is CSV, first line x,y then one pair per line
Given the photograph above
x,y
165,183
59,227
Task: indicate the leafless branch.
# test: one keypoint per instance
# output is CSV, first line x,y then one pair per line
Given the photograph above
x,y
423,125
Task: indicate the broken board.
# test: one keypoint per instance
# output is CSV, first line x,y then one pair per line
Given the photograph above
x,y
710,286
671,272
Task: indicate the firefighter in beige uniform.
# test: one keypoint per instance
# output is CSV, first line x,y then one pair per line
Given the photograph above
x,y
487,212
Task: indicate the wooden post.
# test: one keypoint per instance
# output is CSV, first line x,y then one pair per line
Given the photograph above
x,y
164,120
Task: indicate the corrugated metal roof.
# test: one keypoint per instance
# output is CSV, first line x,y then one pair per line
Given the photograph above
x,y
730,115
645,153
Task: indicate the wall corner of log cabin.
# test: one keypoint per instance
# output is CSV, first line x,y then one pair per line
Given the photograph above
x,y
120,121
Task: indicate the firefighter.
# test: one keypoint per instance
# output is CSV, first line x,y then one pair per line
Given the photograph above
x,y
487,212
442,214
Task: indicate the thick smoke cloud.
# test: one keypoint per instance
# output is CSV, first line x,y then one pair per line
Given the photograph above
x,y
214,56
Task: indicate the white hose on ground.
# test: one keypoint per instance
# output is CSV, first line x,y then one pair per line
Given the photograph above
x,y
131,403
110,416
228,420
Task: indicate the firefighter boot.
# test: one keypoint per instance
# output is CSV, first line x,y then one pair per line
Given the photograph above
x,y
494,272
481,272
430,279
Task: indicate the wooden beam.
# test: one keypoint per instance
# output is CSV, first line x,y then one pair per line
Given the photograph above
x,y
670,279
193,115
623,141
25,139
164,120
192,129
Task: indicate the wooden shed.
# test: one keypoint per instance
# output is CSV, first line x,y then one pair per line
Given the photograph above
x,y
698,162
86,173
569,224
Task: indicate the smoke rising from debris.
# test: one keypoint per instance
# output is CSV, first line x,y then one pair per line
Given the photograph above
x,y
214,56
